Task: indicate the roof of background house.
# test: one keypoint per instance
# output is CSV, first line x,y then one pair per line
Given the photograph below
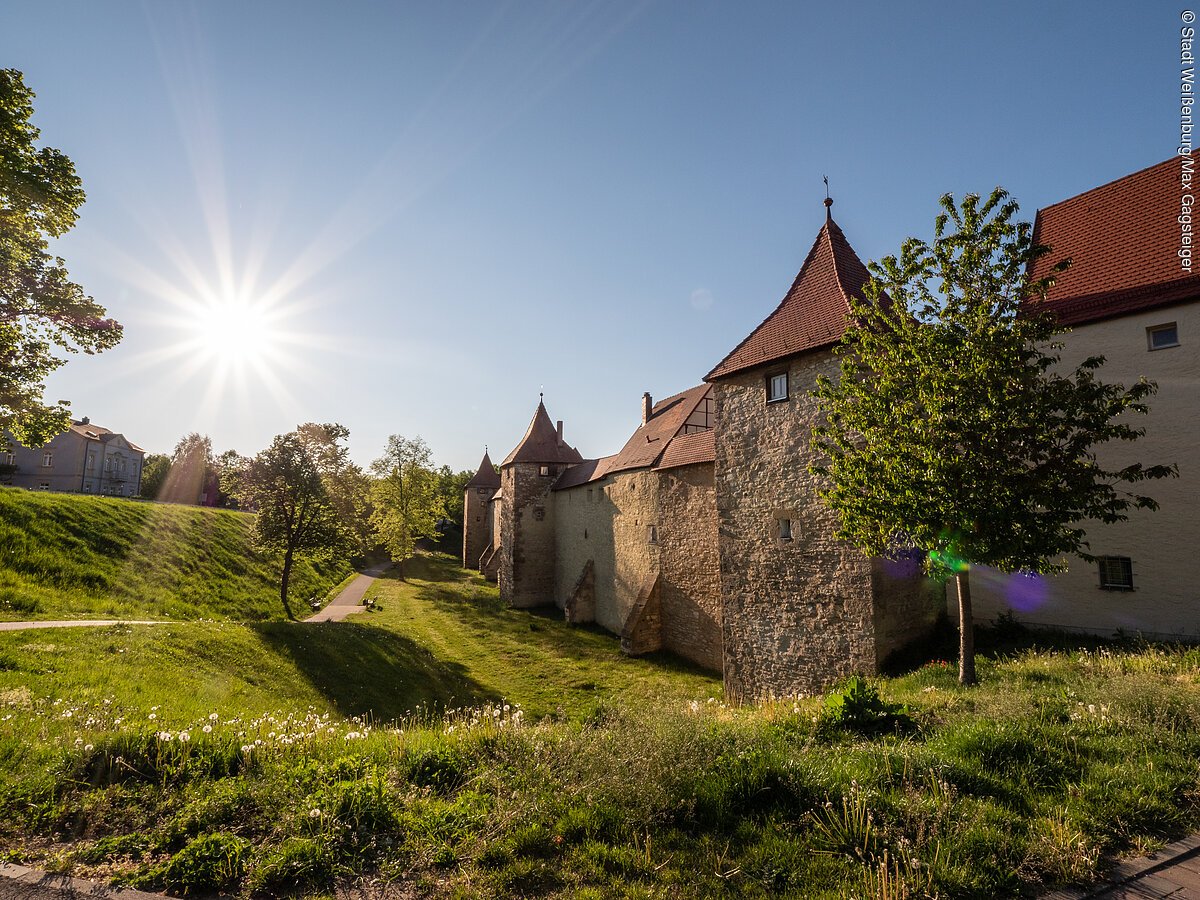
x,y
1123,242
688,450
586,472
92,432
651,439
486,477
814,311
541,443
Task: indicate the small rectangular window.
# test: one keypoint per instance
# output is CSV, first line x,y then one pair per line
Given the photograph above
x,y
47,460
10,459
1160,337
777,387
546,470
785,529
652,534
1116,573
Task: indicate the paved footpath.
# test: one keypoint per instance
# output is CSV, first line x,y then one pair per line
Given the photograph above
x,y
75,623
350,599
1174,872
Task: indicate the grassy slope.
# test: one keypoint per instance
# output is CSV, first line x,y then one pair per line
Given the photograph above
x,y
445,642
67,556
641,788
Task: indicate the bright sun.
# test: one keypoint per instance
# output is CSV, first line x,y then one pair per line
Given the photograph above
x,y
234,331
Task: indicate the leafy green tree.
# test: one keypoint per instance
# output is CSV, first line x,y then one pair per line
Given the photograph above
x,y
450,487
41,309
955,428
156,468
348,485
406,505
190,471
295,514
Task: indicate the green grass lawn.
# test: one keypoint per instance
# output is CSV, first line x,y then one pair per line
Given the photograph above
x,y
70,556
273,758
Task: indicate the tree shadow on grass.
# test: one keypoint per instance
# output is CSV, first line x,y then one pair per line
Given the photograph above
x,y
369,671
475,602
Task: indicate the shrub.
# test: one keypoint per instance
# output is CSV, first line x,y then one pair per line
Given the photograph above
x,y
296,865
212,862
858,707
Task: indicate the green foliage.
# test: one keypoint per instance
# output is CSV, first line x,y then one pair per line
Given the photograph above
x,y
41,309
954,427
65,556
211,862
858,707
296,514
296,866
155,469
405,498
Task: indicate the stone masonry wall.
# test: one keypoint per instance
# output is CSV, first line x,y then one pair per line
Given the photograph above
x,y
690,588
527,559
583,519
633,500
796,615
477,525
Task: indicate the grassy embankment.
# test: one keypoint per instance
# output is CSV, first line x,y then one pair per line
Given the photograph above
x,y
67,556
617,778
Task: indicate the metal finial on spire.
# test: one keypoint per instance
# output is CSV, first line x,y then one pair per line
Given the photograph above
x,y
828,199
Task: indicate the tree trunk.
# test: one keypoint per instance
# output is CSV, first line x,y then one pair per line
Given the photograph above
x,y
966,628
283,583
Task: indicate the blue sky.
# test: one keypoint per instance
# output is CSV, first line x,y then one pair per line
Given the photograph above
x,y
441,209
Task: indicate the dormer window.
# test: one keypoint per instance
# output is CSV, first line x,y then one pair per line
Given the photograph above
x,y
1160,337
777,387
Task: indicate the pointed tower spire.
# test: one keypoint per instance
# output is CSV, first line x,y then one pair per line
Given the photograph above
x,y
487,476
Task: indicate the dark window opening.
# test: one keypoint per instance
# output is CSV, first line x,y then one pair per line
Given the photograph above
x,y
1116,573
1160,337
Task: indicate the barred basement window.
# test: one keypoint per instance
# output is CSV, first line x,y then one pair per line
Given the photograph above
x,y
777,387
1160,337
1116,573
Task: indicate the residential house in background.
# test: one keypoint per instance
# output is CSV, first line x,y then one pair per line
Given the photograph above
x,y
85,459
1126,297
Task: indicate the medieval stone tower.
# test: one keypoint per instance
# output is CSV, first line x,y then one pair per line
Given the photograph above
x,y
527,551
477,520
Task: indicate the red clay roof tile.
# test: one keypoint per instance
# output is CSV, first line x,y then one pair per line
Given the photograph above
x,y
1123,240
651,439
688,450
487,476
541,443
812,314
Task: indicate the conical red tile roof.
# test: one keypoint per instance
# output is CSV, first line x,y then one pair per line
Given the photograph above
x,y
487,476
541,444
813,313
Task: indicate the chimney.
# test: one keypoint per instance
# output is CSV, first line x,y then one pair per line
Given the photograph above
x,y
647,407
560,439
85,421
